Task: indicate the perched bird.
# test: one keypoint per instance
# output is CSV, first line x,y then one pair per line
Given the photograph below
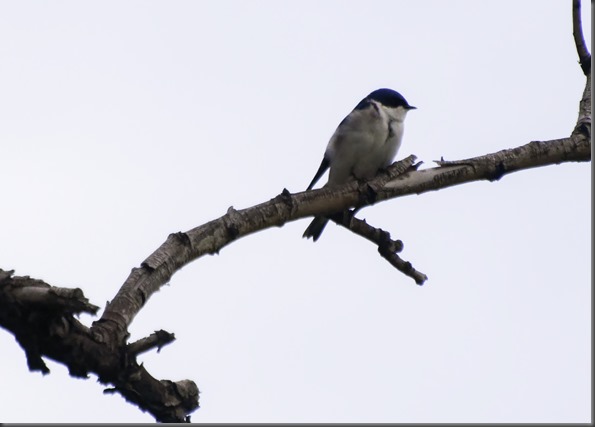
x,y
366,141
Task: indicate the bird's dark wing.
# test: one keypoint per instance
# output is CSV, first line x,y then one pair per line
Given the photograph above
x,y
321,170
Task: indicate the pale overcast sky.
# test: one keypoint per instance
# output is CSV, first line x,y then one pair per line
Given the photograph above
x,y
124,121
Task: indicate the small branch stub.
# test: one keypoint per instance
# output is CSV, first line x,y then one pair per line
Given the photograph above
x,y
157,340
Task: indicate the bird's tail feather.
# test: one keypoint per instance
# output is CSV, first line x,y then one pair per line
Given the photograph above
x,y
315,228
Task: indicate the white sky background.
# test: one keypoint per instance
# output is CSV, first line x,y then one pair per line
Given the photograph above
x,y
122,122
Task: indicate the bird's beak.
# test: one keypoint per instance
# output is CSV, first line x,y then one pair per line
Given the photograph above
x,y
411,107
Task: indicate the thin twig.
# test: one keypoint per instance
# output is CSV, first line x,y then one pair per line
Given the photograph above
x,y
404,267
365,230
579,39
387,247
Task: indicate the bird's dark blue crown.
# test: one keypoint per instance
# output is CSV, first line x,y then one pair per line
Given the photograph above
x,y
387,97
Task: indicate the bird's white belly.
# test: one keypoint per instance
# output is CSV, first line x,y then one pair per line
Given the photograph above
x,y
379,154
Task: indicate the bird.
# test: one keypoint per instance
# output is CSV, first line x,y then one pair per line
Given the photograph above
x,y
366,141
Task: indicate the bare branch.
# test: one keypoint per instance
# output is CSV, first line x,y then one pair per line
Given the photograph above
x,y
387,247
41,317
579,39
67,299
403,266
583,124
157,340
365,230
182,248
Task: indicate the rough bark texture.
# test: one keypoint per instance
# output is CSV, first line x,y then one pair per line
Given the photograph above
x,y
42,317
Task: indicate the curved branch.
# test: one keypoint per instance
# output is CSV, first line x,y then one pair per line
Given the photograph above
x,y
182,248
42,317
579,39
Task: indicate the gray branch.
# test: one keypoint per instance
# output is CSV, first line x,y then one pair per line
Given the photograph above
x,y
579,40
184,247
42,317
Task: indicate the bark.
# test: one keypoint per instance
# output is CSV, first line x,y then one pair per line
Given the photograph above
x,y
43,318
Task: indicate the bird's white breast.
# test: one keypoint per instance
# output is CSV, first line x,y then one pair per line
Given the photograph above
x,y
366,141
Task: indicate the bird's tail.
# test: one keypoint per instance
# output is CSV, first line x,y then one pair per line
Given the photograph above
x,y
315,228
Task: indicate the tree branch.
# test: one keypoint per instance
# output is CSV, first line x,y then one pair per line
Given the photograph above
x,y
579,40
41,317
43,321
102,350
182,248
387,247
156,340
